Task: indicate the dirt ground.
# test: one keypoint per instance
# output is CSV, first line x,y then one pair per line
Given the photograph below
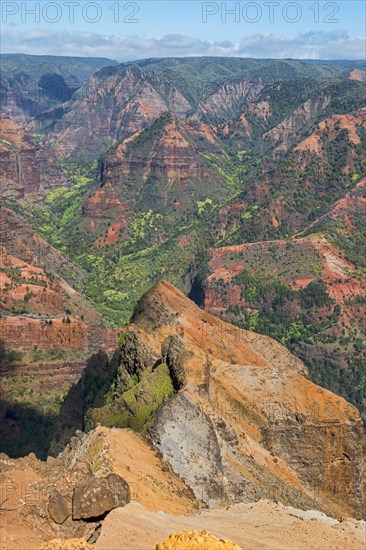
x,y
261,526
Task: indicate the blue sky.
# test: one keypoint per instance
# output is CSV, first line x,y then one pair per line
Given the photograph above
x,y
134,30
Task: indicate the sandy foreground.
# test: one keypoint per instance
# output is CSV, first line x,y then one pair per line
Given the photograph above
x,y
261,526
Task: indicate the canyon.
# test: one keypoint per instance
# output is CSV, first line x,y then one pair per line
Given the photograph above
x,y
244,427
182,289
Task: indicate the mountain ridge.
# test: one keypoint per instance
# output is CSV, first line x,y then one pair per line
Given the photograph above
x,y
170,160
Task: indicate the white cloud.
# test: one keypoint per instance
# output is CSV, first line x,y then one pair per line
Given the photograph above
x,y
309,45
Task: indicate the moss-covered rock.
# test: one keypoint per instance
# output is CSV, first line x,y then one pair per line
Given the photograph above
x,y
137,406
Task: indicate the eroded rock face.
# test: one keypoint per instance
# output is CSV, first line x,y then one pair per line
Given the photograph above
x,y
283,134
247,422
228,97
188,441
28,169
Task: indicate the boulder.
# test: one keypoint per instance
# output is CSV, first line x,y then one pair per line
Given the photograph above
x,y
58,507
99,497
194,540
119,489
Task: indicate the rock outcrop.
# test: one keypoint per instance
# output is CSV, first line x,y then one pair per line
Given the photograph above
x,y
28,169
246,422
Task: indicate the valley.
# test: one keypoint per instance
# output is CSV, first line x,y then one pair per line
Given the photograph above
x,y
182,277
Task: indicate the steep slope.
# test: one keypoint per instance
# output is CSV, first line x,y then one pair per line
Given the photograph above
x,y
47,332
306,291
29,169
152,482
161,172
292,189
245,422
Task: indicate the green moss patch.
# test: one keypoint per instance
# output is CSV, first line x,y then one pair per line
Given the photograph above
x,y
137,406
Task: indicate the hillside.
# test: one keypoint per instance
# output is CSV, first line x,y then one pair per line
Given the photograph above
x,y
220,404
32,84
48,332
29,168
150,517
307,292
240,181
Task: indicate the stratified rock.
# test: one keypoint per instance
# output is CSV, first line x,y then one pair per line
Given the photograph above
x,y
58,507
183,431
247,422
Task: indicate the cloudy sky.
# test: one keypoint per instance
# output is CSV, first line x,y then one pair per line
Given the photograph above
x,y
134,30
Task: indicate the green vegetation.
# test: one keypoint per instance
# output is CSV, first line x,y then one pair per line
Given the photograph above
x,y
239,187
284,314
307,322
205,205
63,204
137,406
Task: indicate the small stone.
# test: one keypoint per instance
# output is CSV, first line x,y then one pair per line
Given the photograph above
x,y
52,461
82,468
31,456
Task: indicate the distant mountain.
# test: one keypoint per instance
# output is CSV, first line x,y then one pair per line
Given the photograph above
x,y
30,84
119,100
241,181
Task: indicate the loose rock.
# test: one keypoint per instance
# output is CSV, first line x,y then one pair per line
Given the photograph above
x,y
58,507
